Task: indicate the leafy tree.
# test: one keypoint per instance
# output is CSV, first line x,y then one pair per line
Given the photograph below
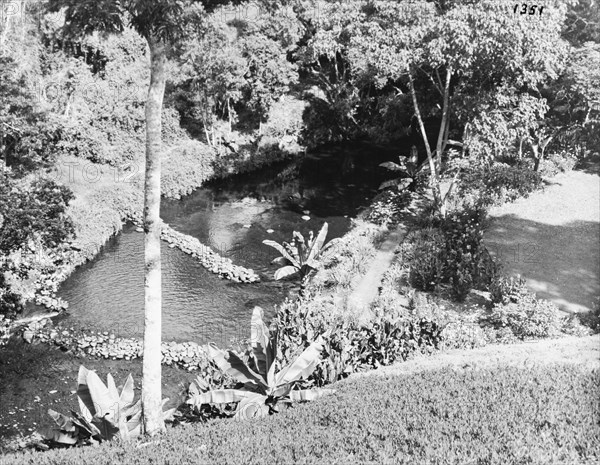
x,y
212,77
447,57
162,23
582,23
237,68
29,212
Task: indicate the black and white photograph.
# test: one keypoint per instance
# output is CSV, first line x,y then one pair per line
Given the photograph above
x,y
308,232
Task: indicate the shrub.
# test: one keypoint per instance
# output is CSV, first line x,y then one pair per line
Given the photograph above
x,y
528,319
592,319
506,290
452,252
468,263
350,348
464,335
500,183
387,206
426,259
557,162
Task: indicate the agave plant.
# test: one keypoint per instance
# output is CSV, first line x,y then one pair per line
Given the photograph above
x,y
264,391
105,414
301,257
410,167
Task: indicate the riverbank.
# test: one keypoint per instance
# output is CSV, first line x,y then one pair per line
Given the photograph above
x,y
107,197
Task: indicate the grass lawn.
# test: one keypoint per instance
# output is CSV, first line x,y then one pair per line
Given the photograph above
x,y
502,415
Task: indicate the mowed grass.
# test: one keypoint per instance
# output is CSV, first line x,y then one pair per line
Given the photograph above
x,y
539,415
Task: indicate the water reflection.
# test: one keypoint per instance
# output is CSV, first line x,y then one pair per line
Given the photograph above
x,y
233,217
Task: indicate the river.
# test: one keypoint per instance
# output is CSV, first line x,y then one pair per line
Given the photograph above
x,y
233,216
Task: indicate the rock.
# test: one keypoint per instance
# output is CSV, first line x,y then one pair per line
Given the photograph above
x,y
270,231
139,230
306,212
306,217
246,226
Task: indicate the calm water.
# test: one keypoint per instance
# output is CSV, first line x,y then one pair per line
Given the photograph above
x,y
233,217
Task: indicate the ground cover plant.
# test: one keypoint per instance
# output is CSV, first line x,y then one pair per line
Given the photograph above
x,y
543,414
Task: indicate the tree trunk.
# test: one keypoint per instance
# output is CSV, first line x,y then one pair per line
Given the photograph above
x,y
536,156
152,371
520,148
434,182
443,125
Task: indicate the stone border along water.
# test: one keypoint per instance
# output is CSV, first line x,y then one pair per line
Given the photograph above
x,y
208,258
189,356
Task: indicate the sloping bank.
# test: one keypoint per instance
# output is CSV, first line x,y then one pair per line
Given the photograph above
x,y
330,289
106,198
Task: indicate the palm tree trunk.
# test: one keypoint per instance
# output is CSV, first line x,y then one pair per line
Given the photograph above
x,y
151,377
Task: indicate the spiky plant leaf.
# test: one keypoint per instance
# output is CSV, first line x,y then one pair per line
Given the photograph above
x,y
231,364
330,244
390,183
318,243
86,404
281,261
253,406
104,403
219,396
282,250
302,366
112,388
390,165
127,394
261,343
285,271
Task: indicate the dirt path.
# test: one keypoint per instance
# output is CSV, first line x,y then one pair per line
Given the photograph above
x,y
584,351
552,239
368,287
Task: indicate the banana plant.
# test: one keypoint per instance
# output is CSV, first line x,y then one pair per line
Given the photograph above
x,y
301,257
410,167
105,413
264,391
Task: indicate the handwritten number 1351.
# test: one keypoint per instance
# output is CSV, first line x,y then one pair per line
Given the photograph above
x,y
527,9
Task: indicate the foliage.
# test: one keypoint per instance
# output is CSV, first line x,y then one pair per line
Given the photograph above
x,y
301,257
426,259
33,212
349,347
506,290
557,162
410,168
591,319
27,131
105,413
348,258
498,183
234,72
529,318
387,206
451,251
264,391
468,264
